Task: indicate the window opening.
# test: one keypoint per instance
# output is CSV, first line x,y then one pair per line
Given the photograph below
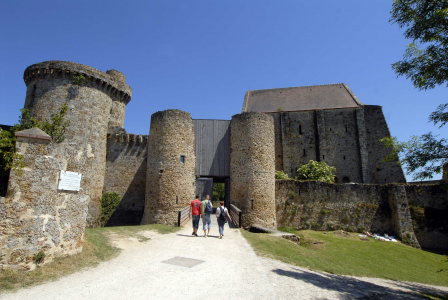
x,y
304,152
252,203
182,158
346,128
345,179
300,129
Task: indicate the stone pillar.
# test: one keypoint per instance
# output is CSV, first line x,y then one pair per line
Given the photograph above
x,y
170,177
35,216
92,104
252,168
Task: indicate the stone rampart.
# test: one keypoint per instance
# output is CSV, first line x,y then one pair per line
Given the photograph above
x,y
351,207
428,206
170,177
252,168
126,162
35,216
325,206
92,105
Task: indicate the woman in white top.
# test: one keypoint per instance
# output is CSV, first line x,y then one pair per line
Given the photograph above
x,y
221,213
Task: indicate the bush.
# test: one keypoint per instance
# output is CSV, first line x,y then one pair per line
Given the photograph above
x,y
39,257
108,204
318,171
281,175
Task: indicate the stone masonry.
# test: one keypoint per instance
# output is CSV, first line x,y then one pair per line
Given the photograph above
x,y
170,177
155,175
252,168
36,216
94,104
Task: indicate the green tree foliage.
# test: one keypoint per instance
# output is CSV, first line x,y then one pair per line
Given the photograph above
x,y
426,25
318,171
218,191
425,62
108,204
281,175
56,128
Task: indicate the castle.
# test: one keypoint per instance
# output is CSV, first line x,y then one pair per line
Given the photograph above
x,y
158,174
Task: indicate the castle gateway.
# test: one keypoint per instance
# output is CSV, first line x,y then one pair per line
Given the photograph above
x,y
158,174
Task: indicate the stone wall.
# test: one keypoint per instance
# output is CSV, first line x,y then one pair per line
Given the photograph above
x,y
325,206
92,105
351,207
347,139
36,216
252,168
170,177
376,127
428,206
126,162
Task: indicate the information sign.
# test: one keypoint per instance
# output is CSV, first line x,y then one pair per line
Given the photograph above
x,y
69,181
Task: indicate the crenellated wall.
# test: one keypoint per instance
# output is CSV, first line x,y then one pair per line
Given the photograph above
x,y
92,105
126,162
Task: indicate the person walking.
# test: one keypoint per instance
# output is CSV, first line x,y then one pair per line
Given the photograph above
x,y
221,213
195,212
206,211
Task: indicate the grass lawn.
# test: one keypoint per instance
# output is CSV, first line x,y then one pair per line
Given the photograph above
x,y
348,255
97,248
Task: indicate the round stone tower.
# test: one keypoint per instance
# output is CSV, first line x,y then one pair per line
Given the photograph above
x,y
170,177
252,168
94,99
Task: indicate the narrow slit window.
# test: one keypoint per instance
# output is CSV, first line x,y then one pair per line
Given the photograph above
x,y
346,128
344,157
177,199
304,152
323,157
300,129
182,158
252,203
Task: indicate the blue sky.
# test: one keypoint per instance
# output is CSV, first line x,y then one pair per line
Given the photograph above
x,y
202,56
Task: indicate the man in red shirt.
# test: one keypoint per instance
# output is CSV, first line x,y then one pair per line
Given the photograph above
x,y
195,212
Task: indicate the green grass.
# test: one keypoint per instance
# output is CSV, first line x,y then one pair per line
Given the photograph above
x,y
97,248
348,255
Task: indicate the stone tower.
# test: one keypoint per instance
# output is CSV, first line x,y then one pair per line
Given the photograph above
x,y
252,168
93,105
170,177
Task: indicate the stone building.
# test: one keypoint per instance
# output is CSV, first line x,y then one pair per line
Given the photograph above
x,y
158,174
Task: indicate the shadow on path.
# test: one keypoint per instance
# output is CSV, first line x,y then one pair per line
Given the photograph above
x,y
352,288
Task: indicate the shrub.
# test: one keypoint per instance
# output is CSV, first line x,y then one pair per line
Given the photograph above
x,y
281,175
79,80
39,257
108,204
314,170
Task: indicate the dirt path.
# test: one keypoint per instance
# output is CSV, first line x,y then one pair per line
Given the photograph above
x,y
208,268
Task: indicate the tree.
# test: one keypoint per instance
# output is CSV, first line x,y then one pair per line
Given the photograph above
x,y
218,191
426,23
56,128
318,171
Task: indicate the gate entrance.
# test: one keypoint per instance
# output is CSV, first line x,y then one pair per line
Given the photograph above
x,y
212,149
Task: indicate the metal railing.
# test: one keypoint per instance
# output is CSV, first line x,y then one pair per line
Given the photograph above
x,y
183,216
236,215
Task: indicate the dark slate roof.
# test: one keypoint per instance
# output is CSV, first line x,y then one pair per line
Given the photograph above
x,y
329,96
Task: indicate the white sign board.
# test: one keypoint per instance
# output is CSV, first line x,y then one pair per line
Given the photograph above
x,y
69,181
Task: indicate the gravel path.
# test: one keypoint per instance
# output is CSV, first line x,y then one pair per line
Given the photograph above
x,y
210,268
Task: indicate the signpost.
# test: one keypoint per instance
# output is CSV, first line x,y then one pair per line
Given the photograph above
x,y
69,181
